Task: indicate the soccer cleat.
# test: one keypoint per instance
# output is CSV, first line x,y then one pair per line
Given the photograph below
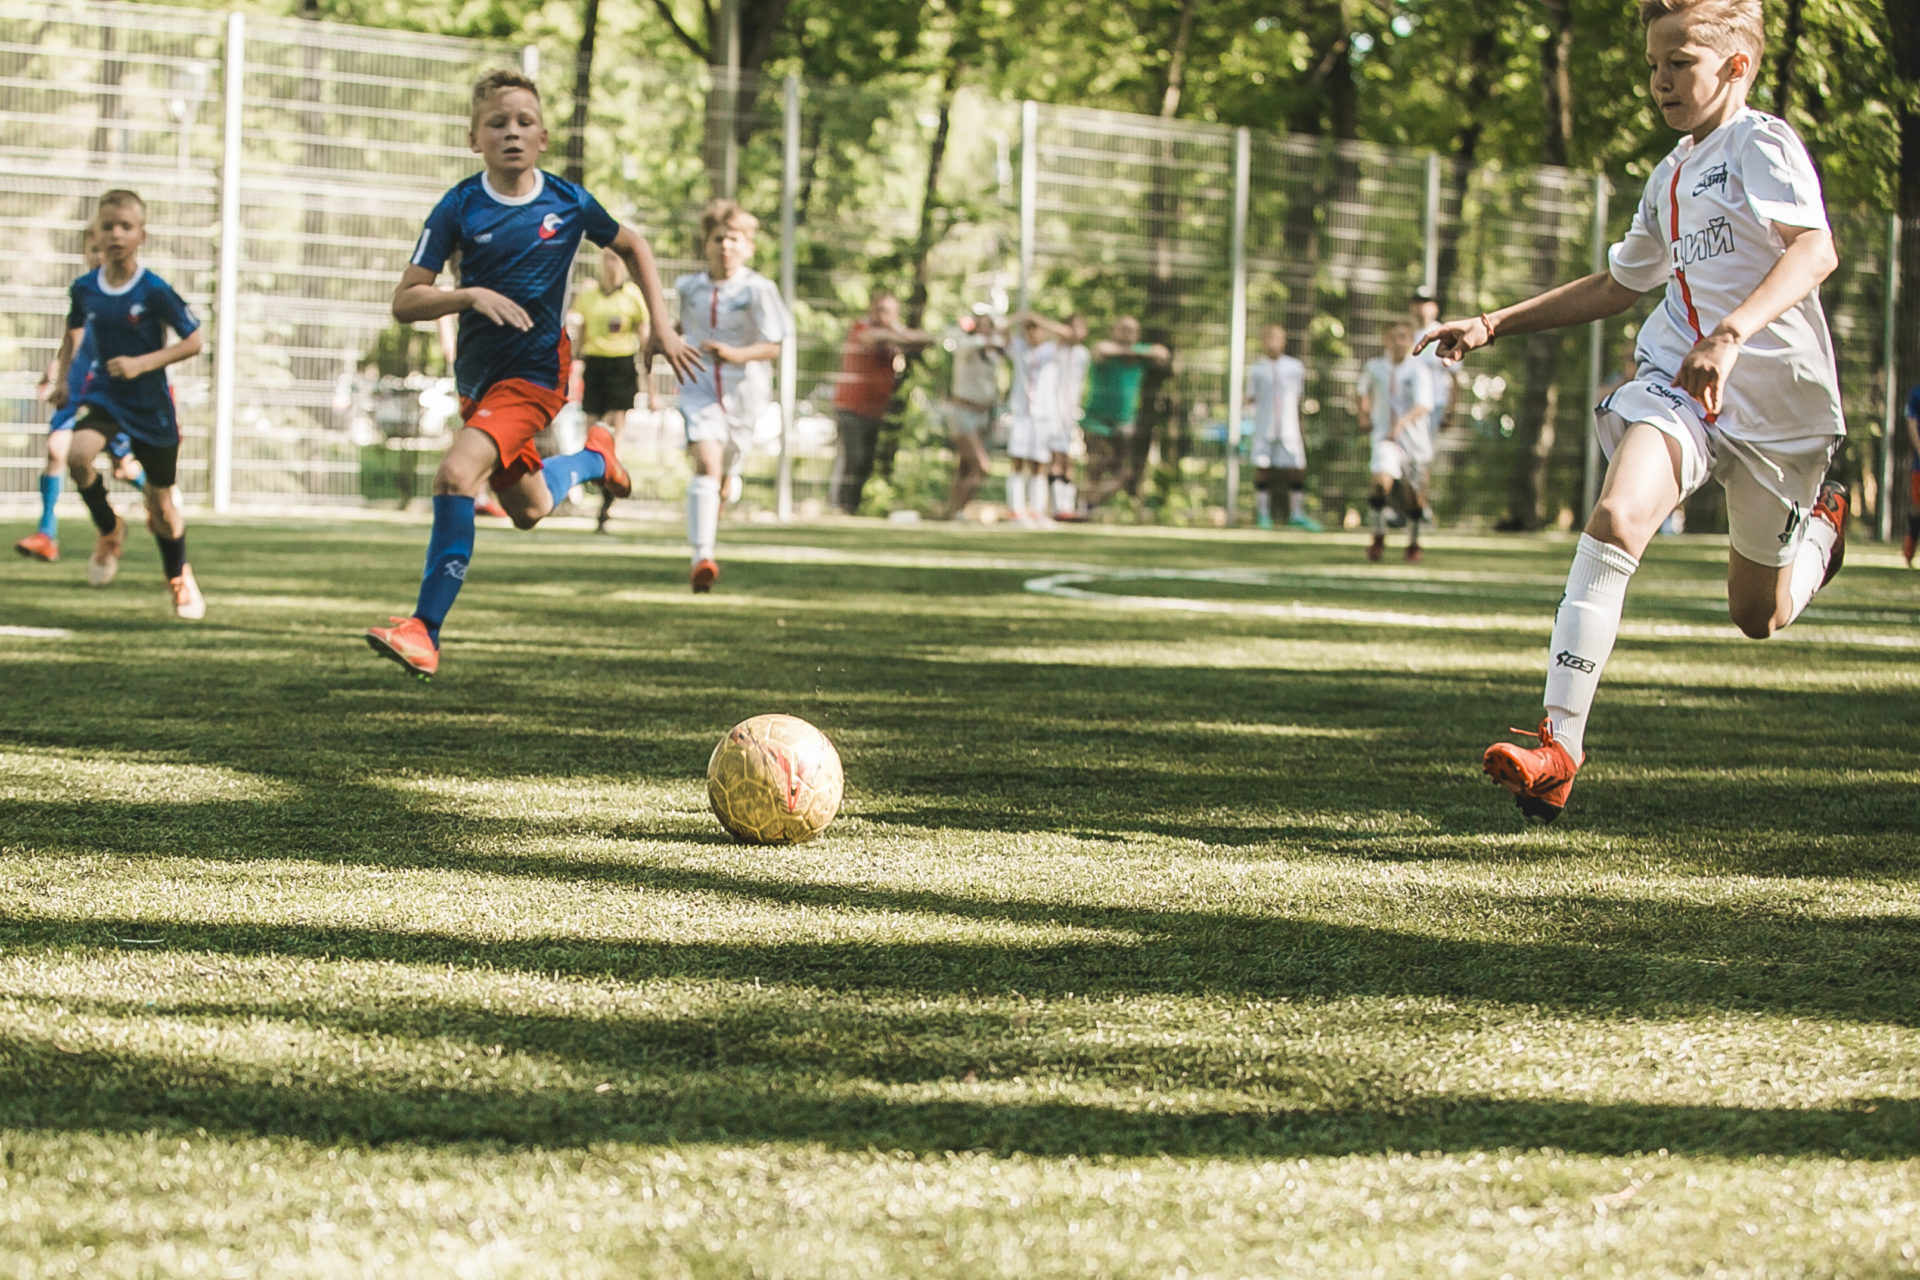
x,y
105,560
488,505
1539,777
39,546
407,643
1832,507
1414,553
188,603
1377,548
704,575
616,483
1906,550
1263,522
1307,523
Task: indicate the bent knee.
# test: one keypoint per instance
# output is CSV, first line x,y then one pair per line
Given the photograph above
x,y
1756,622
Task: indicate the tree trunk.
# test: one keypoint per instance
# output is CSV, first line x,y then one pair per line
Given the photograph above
x,y
1556,83
1789,53
576,164
1159,416
730,118
1466,153
1903,42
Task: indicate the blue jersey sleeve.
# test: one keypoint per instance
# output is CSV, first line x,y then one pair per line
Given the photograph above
x,y
1913,402
173,310
596,223
440,236
77,314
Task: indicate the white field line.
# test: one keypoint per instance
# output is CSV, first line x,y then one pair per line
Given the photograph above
x,y
1073,586
37,633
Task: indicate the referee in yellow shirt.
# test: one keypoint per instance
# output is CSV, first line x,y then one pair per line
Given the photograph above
x,y
613,332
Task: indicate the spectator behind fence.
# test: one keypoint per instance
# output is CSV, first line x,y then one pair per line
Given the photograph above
x,y
867,370
1119,364
977,356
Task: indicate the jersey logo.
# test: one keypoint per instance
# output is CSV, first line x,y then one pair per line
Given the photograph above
x,y
135,311
485,237
1714,177
549,226
1697,246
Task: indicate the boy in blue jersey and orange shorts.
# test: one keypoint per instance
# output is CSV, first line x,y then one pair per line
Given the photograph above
x,y
44,542
125,312
515,229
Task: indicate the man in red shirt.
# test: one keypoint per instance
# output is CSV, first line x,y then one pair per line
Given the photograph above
x,y
865,388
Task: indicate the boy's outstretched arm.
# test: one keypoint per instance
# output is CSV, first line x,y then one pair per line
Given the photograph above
x,y
133,366
1581,301
1809,259
638,255
53,383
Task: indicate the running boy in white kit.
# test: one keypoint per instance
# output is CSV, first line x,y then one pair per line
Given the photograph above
x,y
734,315
1736,374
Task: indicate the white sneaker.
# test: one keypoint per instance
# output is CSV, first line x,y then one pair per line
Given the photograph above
x,y
105,560
188,603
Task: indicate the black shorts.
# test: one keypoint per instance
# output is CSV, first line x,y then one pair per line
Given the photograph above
x,y
612,385
161,462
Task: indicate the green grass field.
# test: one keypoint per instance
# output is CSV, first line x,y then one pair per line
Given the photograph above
x,y
1169,927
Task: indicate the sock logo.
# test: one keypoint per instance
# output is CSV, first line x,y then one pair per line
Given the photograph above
x,y
457,570
1567,658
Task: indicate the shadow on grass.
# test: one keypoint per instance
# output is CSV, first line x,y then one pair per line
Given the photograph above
x,y
50,1086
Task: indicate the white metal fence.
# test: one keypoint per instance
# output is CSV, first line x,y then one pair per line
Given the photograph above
x,y
288,165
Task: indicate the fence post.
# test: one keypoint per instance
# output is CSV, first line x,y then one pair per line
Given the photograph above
x,y
1596,352
1430,229
1237,316
1029,191
1890,353
227,290
530,61
789,349
730,50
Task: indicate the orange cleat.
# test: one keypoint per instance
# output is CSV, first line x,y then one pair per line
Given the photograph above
x,y
1832,507
1414,553
616,483
105,560
1377,548
705,574
39,546
188,603
488,505
407,643
1539,777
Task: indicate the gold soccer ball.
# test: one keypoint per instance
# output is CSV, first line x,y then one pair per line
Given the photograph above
x,y
774,780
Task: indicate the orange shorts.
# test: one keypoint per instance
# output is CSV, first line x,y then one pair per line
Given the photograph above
x,y
1913,490
513,412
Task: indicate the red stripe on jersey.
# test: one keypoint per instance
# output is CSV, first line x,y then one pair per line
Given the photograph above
x,y
1673,247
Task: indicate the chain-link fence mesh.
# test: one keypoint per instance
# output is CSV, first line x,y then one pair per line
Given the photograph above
x,y
348,137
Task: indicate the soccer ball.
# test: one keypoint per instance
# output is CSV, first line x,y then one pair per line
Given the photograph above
x,y
774,780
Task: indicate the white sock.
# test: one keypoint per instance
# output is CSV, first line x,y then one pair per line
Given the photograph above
x,y
1380,521
703,515
1810,562
1296,504
1413,527
1263,504
1017,493
1583,634
1064,499
1037,486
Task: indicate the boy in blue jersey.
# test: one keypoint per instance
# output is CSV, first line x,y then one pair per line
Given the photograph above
x,y
126,311
44,542
515,230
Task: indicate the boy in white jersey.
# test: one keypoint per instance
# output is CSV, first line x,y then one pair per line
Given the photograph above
x,y
1071,386
1396,398
1736,375
974,394
1035,400
733,313
1276,382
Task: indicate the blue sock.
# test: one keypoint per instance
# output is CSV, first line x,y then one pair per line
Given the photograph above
x,y
449,548
139,481
49,499
562,473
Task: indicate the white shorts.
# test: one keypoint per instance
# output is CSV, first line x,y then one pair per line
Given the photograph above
x,y
1061,439
1391,458
965,421
711,422
1279,451
1029,440
1770,487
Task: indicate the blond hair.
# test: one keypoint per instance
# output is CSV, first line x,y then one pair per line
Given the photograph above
x,y
499,80
726,215
119,198
1728,26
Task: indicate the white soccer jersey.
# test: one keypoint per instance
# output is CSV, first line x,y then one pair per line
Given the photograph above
x,y
1276,387
976,370
739,311
1036,381
1074,363
1705,230
1395,389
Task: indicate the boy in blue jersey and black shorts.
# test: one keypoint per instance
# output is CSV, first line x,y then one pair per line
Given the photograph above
x,y
515,230
44,542
125,311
